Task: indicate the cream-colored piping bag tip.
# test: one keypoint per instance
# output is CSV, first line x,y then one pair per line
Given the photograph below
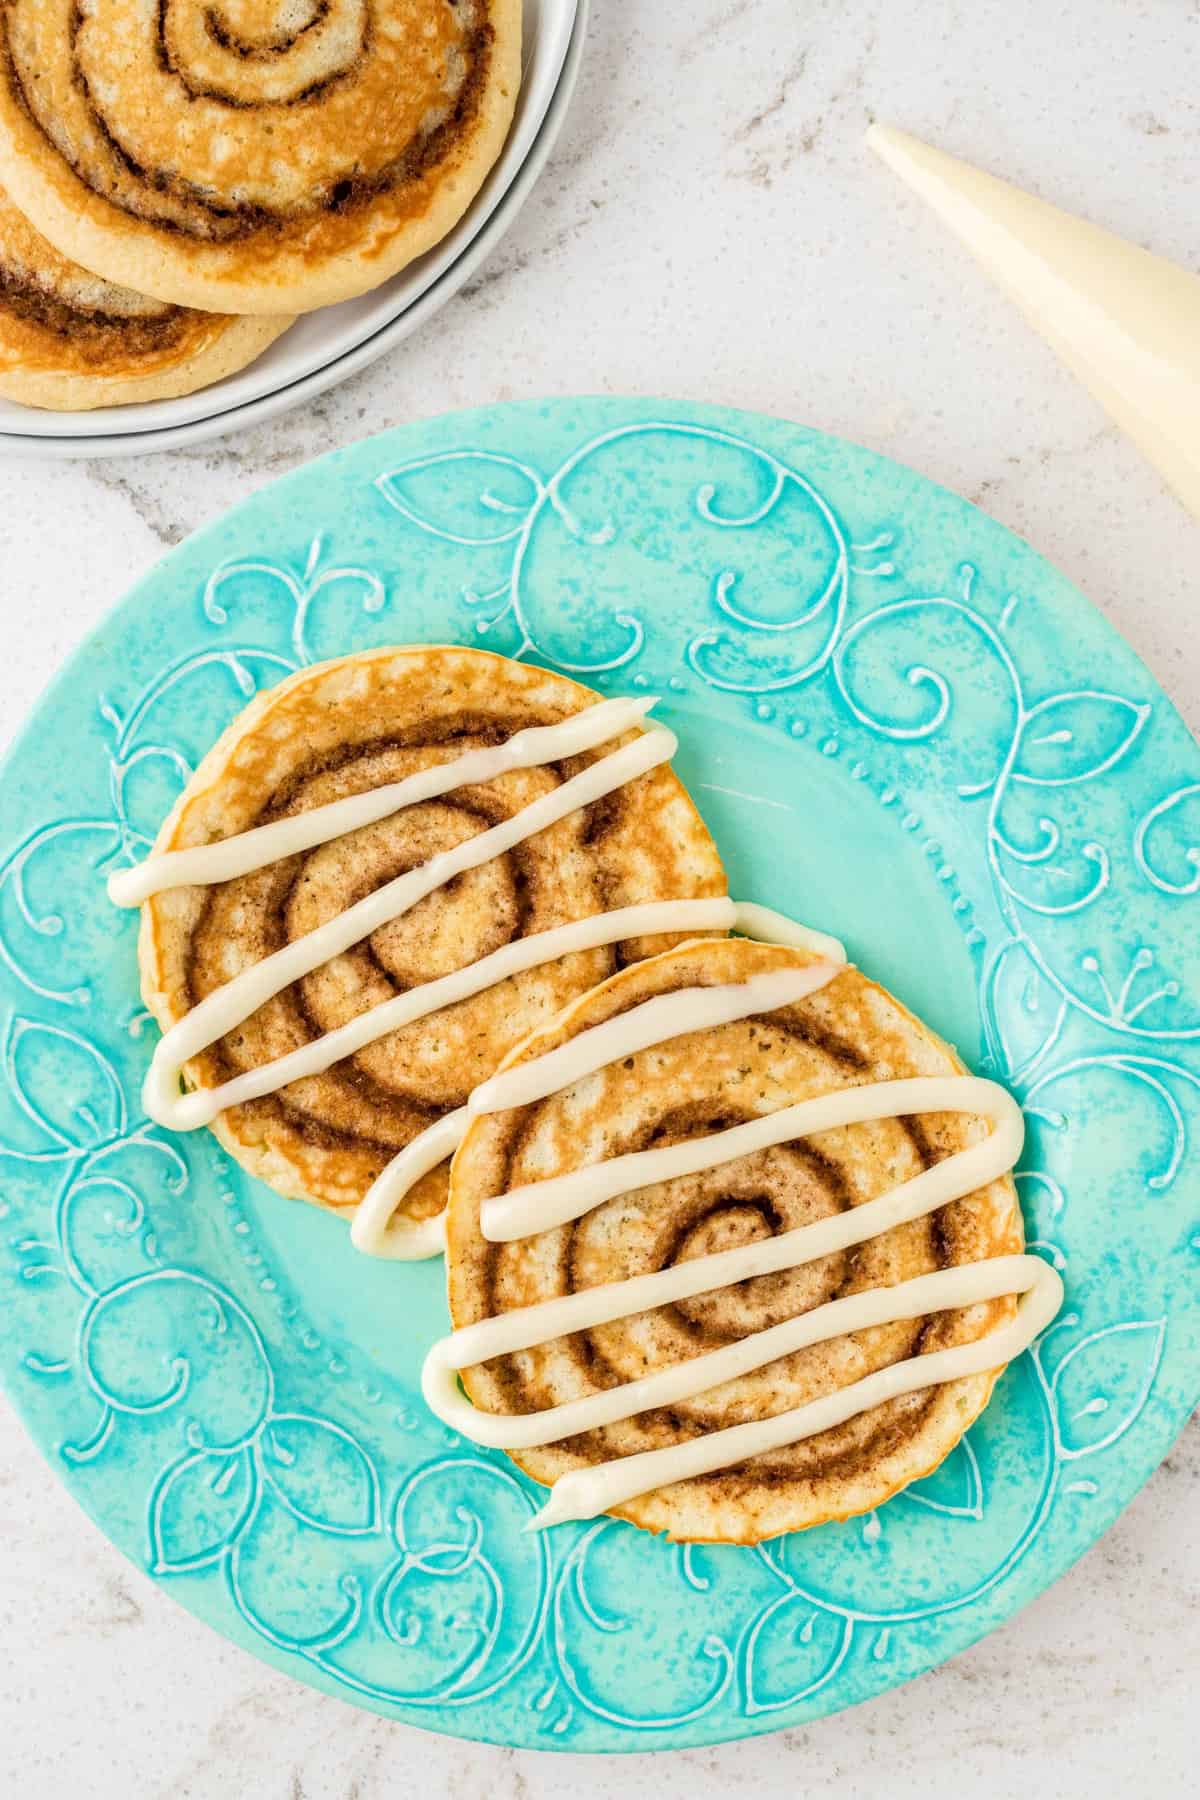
x,y
1127,323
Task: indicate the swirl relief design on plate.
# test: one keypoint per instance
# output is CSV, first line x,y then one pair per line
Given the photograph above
x,y
506,510
317,1510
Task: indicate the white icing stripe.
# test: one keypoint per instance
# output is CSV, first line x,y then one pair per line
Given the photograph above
x,y
184,1112
584,1492
771,927
542,1204
229,1006
937,1292
956,1175
654,1022
205,864
407,1240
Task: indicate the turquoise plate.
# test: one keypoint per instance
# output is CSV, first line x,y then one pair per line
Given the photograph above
x,y
902,726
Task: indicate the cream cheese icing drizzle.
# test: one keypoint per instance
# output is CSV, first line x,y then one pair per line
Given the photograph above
x,y
539,1206
542,1205
655,1021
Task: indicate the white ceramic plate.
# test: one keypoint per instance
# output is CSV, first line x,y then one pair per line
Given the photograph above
x,y
322,338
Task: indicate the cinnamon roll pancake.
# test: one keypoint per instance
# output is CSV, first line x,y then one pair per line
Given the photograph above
x,y
70,341
502,803
780,1113
256,156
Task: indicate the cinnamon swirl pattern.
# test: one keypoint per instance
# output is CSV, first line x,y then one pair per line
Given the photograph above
x,y
385,827
737,1272
70,341
257,156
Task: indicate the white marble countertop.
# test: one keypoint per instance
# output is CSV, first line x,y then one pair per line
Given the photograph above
x,y
710,227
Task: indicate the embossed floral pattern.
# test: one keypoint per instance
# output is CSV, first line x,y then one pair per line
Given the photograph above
x,y
319,1511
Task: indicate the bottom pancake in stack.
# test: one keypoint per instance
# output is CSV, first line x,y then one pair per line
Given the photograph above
x,y
70,342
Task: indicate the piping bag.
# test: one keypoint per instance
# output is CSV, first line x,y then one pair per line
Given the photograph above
x,y
1126,322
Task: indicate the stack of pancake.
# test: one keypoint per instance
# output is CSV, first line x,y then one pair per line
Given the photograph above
x,y
369,721
179,179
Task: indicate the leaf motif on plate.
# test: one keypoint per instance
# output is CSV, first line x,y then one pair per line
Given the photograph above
x,y
1023,1013
955,1488
63,1084
1103,1382
792,1650
321,1473
200,1504
468,497
1074,737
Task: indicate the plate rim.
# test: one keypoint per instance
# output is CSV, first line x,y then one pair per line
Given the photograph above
x,y
1122,1490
